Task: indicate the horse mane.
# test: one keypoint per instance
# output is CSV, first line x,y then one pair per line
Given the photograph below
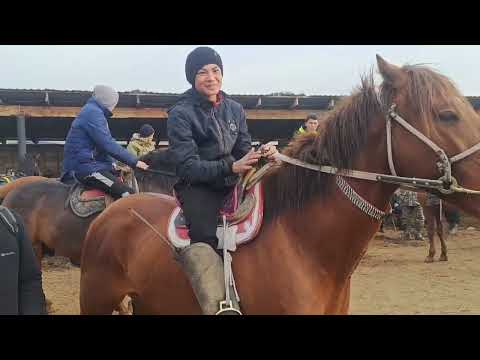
x,y
423,85
342,134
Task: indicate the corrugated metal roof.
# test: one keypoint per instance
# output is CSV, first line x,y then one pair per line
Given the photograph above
x,y
36,97
135,98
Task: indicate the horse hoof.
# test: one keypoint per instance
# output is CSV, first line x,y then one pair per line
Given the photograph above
x,y
429,259
443,258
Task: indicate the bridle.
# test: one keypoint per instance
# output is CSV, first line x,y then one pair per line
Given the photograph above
x,y
446,184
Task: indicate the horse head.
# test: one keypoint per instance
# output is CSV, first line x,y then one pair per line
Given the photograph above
x,y
448,130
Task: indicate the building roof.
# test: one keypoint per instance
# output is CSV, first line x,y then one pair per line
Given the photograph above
x,y
45,97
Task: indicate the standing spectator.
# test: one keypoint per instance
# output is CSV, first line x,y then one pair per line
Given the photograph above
x,y
412,217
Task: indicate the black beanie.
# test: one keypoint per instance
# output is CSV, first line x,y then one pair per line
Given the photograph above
x,y
146,130
198,58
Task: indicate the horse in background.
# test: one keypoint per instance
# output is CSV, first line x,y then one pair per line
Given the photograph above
x,y
303,257
51,224
161,178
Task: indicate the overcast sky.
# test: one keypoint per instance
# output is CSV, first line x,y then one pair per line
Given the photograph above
x,y
313,70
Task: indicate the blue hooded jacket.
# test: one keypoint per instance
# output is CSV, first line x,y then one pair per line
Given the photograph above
x,y
89,146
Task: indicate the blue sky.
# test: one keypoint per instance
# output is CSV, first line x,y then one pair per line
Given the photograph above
x,y
313,70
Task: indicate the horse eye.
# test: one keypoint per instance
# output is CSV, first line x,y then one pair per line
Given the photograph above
x,y
448,116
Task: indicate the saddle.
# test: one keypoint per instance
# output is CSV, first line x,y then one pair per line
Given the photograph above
x,y
84,201
243,211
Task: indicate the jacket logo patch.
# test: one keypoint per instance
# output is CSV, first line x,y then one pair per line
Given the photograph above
x,y
233,127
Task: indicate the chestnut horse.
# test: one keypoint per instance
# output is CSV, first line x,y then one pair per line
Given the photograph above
x,y
41,203
313,235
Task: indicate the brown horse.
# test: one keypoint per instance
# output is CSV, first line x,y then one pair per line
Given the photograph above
x,y
41,203
313,235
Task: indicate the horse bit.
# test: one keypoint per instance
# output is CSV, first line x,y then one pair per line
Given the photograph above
x,y
446,184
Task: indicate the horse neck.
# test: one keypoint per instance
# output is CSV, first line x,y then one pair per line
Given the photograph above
x,y
332,234
156,183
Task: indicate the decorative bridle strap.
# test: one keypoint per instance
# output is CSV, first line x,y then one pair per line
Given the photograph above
x,y
358,200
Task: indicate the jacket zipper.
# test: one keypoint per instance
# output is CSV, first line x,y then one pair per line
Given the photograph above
x,y
219,130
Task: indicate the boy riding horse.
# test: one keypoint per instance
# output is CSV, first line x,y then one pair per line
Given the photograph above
x,y
211,146
89,146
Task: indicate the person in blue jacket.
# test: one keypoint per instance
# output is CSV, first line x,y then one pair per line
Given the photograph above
x,y
90,149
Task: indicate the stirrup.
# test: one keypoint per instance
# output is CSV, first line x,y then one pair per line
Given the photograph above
x,y
227,307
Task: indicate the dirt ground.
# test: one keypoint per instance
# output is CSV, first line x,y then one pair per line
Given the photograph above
x,y
392,278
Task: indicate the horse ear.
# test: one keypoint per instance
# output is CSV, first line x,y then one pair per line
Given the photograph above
x,y
392,74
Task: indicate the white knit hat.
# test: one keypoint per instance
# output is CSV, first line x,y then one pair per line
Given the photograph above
x,y
106,96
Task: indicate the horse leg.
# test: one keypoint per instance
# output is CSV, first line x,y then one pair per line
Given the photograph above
x,y
441,232
103,293
38,250
431,234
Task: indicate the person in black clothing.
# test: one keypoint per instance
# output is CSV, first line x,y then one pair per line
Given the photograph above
x,y
21,290
210,145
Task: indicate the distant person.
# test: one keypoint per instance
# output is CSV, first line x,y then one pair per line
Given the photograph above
x,y
310,125
140,144
412,217
21,290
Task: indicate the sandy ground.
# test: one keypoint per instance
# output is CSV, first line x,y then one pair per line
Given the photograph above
x,y
394,279
391,279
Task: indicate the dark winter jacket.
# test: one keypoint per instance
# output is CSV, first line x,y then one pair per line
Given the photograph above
x,y
20,277
205,139
89,146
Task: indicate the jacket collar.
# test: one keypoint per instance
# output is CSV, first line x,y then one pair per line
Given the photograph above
x,y
202,100
107,112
